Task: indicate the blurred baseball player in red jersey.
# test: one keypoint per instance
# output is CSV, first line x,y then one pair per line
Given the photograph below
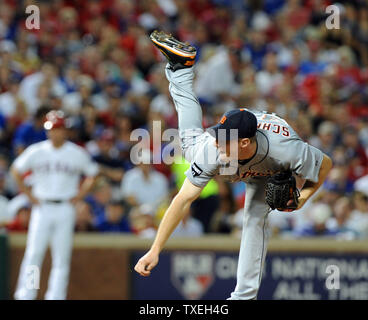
x,y
57,166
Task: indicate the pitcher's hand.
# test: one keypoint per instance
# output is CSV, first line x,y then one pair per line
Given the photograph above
x,y
146,263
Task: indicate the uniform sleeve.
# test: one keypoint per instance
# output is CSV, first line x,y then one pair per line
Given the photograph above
x,y
198,176
89,167
26,159
203,168
305,160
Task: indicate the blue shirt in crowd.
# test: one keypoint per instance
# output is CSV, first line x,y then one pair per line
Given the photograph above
x,y
103,225
26,134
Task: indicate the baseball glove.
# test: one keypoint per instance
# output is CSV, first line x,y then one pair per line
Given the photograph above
x,y
280,189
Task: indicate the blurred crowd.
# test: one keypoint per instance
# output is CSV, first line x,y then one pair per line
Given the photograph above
x,y
93,59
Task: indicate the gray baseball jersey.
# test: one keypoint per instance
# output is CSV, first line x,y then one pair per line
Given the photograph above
x,y
279,148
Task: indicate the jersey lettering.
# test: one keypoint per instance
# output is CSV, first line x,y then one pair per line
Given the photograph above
x,y
57,167
285,132
248,174
277,129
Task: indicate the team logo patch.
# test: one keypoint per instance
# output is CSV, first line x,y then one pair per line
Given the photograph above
x,y
192,274
196,171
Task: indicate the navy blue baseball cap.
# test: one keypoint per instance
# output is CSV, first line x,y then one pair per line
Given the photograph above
x,y
239,119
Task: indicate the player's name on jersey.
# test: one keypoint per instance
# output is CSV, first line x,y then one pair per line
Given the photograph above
x,y
56,167
273,127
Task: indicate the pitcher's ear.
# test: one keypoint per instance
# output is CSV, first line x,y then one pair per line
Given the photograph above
x,y
244,142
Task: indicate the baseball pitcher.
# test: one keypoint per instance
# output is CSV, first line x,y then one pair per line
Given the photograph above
x,y
265,145
57,166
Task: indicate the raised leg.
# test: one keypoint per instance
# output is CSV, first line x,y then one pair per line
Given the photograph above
x,y
187,106
179,71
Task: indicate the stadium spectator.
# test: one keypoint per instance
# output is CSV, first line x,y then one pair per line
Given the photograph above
x,y
325,140
105,153
72,102
36,88
216,78
113,218
100,196
318,215
188,227
359,216
256,48
143,184
31,131
341,220
142,221
11,105
84,220
357,157
124,127
270,78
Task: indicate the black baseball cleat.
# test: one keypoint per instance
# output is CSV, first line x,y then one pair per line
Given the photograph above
x,y
179,54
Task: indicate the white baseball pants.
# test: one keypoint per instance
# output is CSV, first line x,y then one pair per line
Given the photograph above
x,y
52,224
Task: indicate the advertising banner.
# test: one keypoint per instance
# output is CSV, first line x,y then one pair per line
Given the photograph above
x,y
201,275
